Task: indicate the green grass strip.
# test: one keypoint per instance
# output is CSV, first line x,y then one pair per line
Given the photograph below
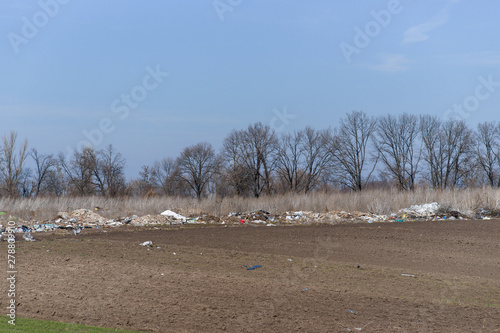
x,y
35,325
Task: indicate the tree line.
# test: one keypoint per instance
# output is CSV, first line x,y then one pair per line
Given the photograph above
x,y
403,151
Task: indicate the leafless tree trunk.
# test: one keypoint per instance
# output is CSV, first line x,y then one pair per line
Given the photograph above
x,y
44,164
349,150
165,175
79,171
56,182
109,169
289,160
11,164
197,165
447,150
252,151
235,167
316,156
487,151
259,146
399,150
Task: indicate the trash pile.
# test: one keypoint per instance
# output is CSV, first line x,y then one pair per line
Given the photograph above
x,y
77,221
425,210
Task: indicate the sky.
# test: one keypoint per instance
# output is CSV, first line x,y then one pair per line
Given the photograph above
x,y
153,77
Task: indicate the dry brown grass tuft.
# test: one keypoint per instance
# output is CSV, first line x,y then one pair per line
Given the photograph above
x,y
373,201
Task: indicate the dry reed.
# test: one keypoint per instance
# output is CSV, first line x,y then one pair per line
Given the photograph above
x,y
373,201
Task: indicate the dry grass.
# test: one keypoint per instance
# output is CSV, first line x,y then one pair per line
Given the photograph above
x,y
374,201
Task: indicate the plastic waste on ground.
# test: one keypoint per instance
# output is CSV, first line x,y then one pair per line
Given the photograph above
x,y
253,267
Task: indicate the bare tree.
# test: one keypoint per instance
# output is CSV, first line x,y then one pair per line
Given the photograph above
x,y
348,148
164,175
487,151
238,176
56,182
251,152
399,148
289,160
259,144
316,156
11,164
197,165
110,170
79,171
44,163
447,150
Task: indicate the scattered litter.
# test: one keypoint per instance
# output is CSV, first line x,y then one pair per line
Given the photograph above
x,y
147,243
174,253
408,275
425,210
289,259
254,267
28,237
350,311
305,289
174,215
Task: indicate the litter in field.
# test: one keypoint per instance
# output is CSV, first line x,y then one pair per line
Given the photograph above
x,y
29,237
147,243
425,210
408,275
174,215
77,220
253,267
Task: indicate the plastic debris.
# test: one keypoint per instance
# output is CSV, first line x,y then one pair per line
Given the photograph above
x,y
28,237
425,210
174,215
408,275
147,243
253,267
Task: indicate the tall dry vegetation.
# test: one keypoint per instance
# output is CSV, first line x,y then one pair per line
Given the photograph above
x,y
374,201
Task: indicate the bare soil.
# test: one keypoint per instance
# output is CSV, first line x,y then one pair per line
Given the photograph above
x,y
336,278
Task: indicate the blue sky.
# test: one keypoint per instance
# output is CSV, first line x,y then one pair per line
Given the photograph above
x,y
67,67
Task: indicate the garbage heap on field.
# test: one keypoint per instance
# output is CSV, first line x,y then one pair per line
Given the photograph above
x,y
90,219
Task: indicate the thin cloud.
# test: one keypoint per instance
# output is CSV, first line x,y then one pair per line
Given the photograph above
x,y
420,32
392,63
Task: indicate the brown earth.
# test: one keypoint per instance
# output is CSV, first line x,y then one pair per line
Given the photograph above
x,y
336,278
